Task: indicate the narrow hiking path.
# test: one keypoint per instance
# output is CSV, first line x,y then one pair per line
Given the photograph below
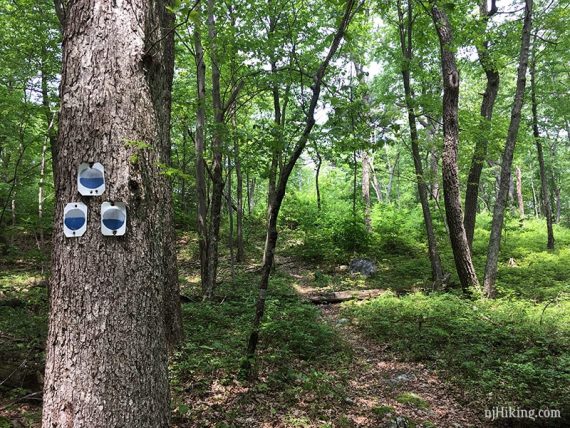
x,y
382,390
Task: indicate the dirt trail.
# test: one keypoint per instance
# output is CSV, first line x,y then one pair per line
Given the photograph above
x,y
386,392
404,391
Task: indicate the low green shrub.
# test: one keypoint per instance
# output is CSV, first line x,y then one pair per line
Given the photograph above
x,y
512,352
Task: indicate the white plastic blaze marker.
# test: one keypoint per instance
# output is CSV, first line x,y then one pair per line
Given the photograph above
x,y
91,179
74,219
113,218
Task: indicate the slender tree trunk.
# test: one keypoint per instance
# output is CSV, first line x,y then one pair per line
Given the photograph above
x,y
434,165
520,192
482,140
113,306
451,189
250,194
405,30
230,220
558,204
317,172
49,139
546,207
201,186
391,174
273,212
240,255
217,148
366,189
534,199
354,181
507,160
375,183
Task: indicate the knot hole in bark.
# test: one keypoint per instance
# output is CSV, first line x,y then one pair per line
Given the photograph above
x,y
453,79
133,186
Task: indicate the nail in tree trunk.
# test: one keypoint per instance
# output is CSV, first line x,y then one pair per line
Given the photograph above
x,y
546,207
450,173
114,306
520,193
507,159
405,25
275,205
482,139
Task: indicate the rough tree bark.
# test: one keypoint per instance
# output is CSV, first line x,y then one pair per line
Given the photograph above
x,y
451,190
482,141
405,24
114,306
507,159
546,207
275,205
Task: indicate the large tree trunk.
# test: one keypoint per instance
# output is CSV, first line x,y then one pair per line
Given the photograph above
x,y
507,160
113,305
482,141
546,207
451,192
275,204
201,187
405,30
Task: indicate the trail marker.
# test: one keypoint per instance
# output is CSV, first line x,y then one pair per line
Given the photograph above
x,y
113,218
91,179
74,219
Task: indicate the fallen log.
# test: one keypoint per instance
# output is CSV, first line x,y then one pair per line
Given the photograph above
x,y
342,296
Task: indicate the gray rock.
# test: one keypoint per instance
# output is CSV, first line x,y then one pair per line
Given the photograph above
x,y
404,377
365,267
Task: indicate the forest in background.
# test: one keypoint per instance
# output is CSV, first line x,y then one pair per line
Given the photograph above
x,y
327,121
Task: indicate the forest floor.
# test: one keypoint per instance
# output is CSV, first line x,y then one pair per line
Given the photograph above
x,y
357,385
406,358
400,392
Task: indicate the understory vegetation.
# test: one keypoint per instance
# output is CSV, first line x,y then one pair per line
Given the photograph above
x,y
513,350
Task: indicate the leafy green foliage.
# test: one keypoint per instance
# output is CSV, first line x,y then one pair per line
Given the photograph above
x,y
513,352
216,332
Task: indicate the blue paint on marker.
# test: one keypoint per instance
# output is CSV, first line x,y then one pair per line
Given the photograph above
x,y
91,182
74,223
113,223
